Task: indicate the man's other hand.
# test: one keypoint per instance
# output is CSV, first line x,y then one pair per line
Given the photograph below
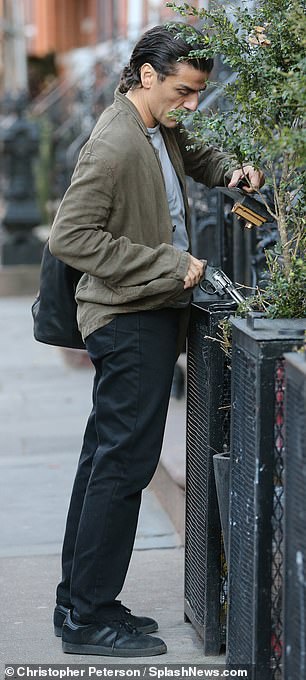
x,y
195,272
254,179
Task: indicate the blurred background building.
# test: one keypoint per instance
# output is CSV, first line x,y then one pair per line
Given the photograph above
x,y
45,39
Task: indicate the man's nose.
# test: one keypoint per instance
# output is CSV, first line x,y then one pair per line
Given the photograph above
x,y
192,101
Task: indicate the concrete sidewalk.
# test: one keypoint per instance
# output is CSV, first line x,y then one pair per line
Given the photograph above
x,y
44,404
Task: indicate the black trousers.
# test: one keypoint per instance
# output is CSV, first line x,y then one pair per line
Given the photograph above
x,y
134,357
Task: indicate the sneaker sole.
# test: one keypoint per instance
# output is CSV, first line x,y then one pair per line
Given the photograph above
x,y
70,648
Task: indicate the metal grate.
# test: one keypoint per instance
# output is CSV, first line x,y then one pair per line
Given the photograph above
x,y
277,523
208,432
295,519
256,509
197,438
242,541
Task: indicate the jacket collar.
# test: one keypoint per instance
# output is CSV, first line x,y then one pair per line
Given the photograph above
x,y
125,104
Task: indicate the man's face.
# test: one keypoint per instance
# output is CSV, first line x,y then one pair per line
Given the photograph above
x,y
178,92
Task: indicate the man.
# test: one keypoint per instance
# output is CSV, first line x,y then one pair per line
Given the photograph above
x,y
124,222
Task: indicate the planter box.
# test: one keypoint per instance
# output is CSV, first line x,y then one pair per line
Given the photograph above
x,y
254,633
208,432
295,518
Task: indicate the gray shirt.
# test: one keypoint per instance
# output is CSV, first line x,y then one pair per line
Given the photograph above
x,y
173,189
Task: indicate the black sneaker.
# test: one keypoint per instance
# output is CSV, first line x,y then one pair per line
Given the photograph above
x,y
115,638
143,624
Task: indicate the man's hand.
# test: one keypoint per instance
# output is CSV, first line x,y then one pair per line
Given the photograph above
x,y
254,178
195,272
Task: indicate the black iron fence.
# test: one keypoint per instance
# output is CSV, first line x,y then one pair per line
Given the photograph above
x,y
64,113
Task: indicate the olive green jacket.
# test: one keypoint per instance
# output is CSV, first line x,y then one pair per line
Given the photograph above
x,y
114,222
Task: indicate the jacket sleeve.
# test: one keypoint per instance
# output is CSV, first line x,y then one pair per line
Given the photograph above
x,y
79,234
206,164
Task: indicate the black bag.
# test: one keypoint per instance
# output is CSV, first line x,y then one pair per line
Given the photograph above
x,y
54,310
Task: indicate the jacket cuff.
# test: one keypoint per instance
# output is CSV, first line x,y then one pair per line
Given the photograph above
x,y
183,265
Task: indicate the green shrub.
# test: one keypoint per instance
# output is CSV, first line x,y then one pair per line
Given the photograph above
x,y
265,126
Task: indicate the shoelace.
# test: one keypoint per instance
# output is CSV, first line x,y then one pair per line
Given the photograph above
x,y
129,617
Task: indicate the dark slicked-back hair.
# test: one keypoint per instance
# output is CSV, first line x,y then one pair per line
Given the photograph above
x,y
162,47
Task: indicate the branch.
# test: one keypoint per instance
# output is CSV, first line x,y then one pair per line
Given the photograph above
x,y
282,214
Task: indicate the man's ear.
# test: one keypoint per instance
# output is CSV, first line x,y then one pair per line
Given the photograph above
x,y
147,76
